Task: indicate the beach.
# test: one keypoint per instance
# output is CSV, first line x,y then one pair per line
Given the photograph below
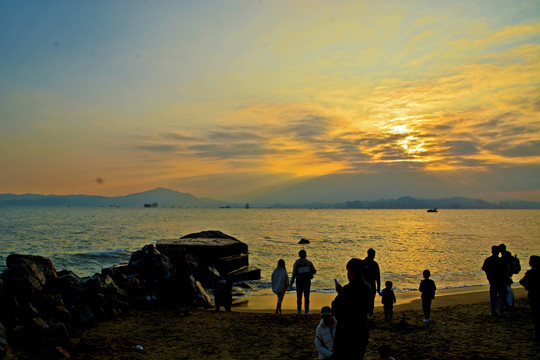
x,y
461,328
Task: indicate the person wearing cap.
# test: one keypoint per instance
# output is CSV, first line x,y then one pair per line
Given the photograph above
x,y
324,335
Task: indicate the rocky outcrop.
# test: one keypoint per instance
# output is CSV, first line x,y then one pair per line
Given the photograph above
x,y
212,250
42,309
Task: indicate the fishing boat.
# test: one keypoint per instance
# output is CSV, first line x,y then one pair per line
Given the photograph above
x,y
432,210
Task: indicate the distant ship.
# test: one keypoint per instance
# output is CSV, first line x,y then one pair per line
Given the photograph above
x,y
433,210
153,205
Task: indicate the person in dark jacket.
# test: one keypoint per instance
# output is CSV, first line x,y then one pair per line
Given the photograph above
x,y
531,283
351,307
303,271
427,288
496,275
372,274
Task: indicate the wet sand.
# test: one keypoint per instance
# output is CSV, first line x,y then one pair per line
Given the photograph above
x,y
461,328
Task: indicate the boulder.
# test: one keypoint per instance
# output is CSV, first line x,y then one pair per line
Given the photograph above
x,y
210,249
44,265
24,278
303,241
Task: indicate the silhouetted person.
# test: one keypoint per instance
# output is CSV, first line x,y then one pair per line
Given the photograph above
x,y
388,300
280,283
512,266
496,275
427,288
183,275
372,274
351,307
223,293
325,333
531,283
303,271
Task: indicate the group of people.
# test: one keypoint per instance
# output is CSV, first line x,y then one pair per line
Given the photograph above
x,y
499,269
343,329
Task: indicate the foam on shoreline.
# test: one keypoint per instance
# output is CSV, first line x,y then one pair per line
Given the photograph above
x,y
405,301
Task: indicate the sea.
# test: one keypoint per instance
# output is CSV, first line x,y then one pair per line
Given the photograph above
x,y
452,244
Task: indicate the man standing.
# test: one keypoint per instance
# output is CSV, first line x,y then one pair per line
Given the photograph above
x,y
496,274
303,271
372,274
350,308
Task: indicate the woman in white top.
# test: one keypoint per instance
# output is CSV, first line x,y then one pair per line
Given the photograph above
x,y
280,283
324,336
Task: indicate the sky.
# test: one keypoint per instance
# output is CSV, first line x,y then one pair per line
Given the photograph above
x,y
236,100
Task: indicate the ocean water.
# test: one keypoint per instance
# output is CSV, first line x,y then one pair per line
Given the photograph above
x,y
452,244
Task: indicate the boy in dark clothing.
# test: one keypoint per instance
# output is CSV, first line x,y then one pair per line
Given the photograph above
x,y
496,274
388,300
427,288
350,308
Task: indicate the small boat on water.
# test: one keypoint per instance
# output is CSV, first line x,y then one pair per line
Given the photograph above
x,y
432,210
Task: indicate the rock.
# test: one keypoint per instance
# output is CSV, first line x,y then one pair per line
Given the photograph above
x,y
43,264
83,317
210,249
201,297
25,278
303,241
245,273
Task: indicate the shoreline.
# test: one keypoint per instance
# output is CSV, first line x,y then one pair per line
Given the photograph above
x,y
266,303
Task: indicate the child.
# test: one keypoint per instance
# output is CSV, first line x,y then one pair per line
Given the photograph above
x,y
427,288
280,283
388,300
324,335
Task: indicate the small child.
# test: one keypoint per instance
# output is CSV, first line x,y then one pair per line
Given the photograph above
x,y
427,288
388,300
324,335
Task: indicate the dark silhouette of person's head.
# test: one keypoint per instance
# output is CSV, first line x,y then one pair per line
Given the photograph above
x,y
388,284
355,268
502,248
281,263
371,254
302,254
534,261
426,274
495,250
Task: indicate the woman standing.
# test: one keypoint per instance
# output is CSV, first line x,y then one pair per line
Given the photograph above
x,y
280,283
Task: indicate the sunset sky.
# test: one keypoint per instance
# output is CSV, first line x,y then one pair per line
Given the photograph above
x,y
233,99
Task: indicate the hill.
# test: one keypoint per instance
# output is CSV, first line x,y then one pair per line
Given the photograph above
x,y
161,196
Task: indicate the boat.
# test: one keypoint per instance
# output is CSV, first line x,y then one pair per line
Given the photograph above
x,y
432,210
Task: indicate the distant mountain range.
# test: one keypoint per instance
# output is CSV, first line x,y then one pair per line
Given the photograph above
x,y
160,196
171,198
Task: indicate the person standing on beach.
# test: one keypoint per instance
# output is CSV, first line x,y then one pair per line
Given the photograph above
x,y
512,266
427,288
351,307
303,271
280,283
531,283
325,333
496,275
388,300
372,274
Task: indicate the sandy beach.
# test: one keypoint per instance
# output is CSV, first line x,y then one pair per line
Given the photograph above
x,y
461,328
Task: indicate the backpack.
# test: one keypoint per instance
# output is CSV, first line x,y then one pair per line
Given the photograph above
x,y
514,265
